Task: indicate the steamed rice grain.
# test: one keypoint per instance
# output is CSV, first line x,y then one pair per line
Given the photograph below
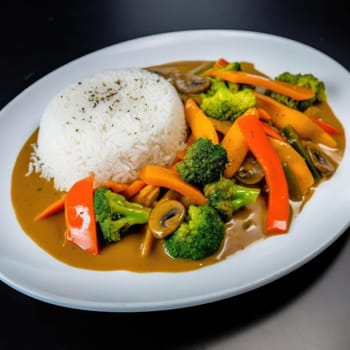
x,y
111,125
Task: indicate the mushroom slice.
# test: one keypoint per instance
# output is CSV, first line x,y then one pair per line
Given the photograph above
x,y
320,160
166,217
191,84
250,172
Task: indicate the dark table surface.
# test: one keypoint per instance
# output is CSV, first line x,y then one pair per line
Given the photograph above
x,y
307,309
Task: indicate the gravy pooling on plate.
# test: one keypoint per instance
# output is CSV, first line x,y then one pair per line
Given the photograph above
x,y
31,193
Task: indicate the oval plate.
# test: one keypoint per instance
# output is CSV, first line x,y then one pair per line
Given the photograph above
x,y
30,270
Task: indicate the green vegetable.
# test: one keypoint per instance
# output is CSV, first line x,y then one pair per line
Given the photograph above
x,y
305,80
203,163
294,140
115,215
227,197
225,102
232,66
199,236
217,83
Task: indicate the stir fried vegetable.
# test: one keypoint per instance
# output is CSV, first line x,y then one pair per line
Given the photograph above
x,y
81,226
243,144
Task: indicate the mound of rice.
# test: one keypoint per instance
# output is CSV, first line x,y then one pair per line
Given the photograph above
x,y
111,124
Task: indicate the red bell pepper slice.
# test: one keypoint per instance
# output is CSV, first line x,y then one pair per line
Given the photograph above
x,y
277,217
80,215
331,130
220,63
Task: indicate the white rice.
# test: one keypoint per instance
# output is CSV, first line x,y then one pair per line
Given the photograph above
x,y
111,124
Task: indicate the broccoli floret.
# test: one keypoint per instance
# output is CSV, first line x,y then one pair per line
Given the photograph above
x,y
305,80
227,103
216,84
232,66
199,236
227,197
115,215
203,163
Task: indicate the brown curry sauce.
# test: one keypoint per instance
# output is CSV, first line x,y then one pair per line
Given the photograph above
x,y
31,193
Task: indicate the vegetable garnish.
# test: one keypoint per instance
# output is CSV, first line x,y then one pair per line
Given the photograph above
x,y
199,123
296,164
331,130
290,90
115,186
263,115
115,214
236,148
269,130
220,63
227,197
278,199
295,141
281,116
133,189
53,208
203,163
80,215
164,177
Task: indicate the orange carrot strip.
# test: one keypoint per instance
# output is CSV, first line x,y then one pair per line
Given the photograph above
x,y
80,215
272,132
294,91
115,186
282,116
278,201
198,122
165,177
134,188
175,165
52,209
263,114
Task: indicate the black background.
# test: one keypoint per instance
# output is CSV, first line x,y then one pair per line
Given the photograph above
x,y
307,309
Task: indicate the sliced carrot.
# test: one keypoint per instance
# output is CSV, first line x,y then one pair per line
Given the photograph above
x,y
296,163
277,217
80,215
165,177
134,188
270,131
53,208
175,165
198,122
115,186
294,91
263,114
282,116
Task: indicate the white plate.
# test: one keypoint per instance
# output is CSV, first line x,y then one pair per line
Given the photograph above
x,y
28,269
